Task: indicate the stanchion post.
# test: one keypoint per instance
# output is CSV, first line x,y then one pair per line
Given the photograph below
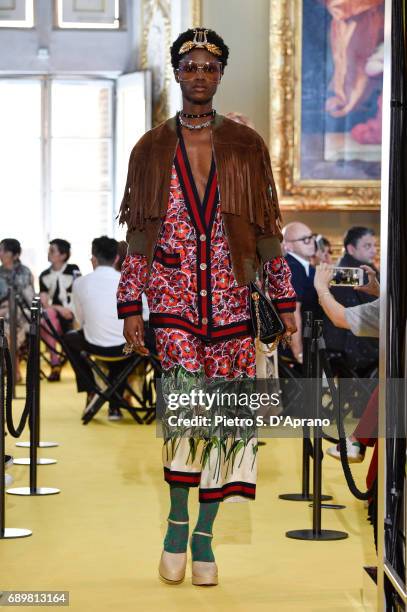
x,y
36,303
12,309
305,494
33,417
34,354
317,464
306,442
317,533
5,532
2,432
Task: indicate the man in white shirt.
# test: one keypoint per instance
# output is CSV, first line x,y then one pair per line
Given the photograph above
x,y
94,306
299,247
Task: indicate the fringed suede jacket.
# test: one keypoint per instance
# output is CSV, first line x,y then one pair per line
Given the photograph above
x,y
247,195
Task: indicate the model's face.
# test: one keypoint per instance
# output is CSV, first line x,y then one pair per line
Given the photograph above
x,y
365,249
54,256
200,86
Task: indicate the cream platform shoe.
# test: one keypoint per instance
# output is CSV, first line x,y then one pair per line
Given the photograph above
x,y
173,565
204,573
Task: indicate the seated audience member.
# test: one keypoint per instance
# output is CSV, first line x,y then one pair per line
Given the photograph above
x,y
14,274
56,284
299,248
101,333
360,354
323,253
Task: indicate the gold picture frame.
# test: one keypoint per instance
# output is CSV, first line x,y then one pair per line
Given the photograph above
x,y
196,13
285,125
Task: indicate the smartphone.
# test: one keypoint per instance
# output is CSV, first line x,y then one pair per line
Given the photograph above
x,y
347,277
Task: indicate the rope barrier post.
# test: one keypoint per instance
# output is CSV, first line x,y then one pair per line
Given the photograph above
x,y
36,312
317,533
305,494
34,382
12,309
36,303
5,532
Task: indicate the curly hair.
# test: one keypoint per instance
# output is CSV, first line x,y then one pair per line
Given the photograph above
x,y
212,37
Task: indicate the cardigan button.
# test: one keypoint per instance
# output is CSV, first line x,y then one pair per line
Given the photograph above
x,y
202,237
203,266
204,321
203,292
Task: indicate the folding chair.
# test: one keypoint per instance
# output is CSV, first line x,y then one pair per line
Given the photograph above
x,y
145,412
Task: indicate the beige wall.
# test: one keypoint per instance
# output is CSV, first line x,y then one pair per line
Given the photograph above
x,y
244,25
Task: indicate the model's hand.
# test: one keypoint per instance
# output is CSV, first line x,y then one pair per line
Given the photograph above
x,y
372,287
323,274
133,331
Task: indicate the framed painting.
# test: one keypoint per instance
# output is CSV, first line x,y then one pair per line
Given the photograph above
x,y
326,68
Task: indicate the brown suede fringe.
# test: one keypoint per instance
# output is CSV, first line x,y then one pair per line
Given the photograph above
x,y
245,177
246,185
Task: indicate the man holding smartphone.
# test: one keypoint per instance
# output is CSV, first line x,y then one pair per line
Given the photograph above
x,y
361,354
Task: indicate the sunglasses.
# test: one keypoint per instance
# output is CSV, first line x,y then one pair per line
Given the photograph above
x,y
187,71
305,239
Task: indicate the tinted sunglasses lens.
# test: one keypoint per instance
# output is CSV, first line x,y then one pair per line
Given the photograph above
x,y
188,71
212,71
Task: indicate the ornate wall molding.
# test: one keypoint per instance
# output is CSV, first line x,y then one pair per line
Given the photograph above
x,y
158,17
285,24
156,40
196,13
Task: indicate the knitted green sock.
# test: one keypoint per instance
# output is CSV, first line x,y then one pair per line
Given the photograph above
x,y
176,538
201,546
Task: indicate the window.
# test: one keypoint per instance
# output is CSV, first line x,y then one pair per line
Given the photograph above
x,y
58,163
56,184
20,163
16,13
93,14
81,177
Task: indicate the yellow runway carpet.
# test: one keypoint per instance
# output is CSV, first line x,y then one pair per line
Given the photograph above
x,y
101,537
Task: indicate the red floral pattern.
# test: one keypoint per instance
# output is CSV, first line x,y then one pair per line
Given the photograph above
x,y
228,359
175,291
277,275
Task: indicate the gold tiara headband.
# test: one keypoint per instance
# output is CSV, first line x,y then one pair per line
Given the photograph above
x,y
200,42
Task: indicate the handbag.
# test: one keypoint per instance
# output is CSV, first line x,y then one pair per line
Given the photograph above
x,y
266,322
